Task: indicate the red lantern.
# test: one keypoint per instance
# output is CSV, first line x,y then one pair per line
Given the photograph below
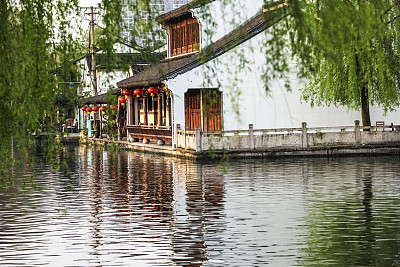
x,y
138,92
102,108
152,91
95,109
83,109
127,92
89,109
165,88
122,100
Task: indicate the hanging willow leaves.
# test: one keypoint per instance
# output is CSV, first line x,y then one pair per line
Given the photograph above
x,y
348,52
30,46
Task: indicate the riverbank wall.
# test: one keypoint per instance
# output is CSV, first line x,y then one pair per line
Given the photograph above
x,y
285,142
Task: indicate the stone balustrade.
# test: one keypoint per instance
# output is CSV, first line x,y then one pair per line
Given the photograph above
x,y
302,138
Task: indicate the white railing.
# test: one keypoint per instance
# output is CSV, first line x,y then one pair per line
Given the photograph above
x,y
297,138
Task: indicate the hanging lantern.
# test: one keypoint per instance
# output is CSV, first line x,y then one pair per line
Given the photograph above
x,y
127,92
102,108
138,92
152,91
83,109
122,100
89,109
165,88
95,109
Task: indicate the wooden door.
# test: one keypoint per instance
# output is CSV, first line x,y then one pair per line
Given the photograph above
x,y
193,109
212,106
203,109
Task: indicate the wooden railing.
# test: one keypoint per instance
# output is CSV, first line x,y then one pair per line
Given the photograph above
x,y
163,133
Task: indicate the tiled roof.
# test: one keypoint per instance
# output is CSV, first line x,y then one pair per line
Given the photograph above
x,y
99,99
182,10
171,67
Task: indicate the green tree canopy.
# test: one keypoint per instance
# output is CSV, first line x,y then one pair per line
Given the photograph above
x,y
348,51
34,47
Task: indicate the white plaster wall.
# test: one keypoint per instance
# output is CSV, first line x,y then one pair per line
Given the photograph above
x,y
225,17
280,109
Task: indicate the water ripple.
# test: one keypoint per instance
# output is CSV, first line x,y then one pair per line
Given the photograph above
x,y
126,208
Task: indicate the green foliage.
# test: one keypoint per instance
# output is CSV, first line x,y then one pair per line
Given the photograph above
x,y
28,87
109,35
342,47
113,147
146,35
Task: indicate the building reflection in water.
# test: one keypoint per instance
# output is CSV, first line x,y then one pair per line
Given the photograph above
x,y
198,212
166,206
130,209
164,211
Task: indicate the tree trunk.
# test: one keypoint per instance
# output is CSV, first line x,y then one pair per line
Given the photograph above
x,y
366,119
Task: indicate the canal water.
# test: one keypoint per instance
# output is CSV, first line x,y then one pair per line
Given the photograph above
x,y
125,208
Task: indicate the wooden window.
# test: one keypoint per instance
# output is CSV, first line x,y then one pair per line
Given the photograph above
x,y
184,35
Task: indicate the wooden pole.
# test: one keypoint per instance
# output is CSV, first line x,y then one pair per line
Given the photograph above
x,y
145,109
101,125
92,52
159,110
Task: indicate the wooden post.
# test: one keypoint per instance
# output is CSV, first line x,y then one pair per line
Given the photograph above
x,y
119,123
251,137
168,112
94,122
159,109
128,110
304,137
101,124
145,110
136,111
357,132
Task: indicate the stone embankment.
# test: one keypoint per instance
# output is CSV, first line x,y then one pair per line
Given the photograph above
x,y
318,141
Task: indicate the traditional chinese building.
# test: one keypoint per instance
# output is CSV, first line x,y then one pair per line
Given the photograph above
x,y
205,83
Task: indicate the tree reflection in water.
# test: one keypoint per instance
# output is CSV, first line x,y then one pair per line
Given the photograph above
x,y
349,225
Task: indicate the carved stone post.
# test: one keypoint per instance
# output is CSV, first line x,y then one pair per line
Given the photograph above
x,y
251,137
304,143
198,139
177,127
357,132
184,133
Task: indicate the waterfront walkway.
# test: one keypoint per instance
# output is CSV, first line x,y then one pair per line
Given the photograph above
x,y
321,141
